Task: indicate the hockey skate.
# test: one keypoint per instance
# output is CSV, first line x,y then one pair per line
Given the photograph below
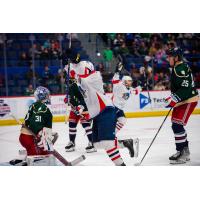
x,y
18,162
132,146
180,157
90,148
70,147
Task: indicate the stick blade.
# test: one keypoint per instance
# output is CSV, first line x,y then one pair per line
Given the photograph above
x,y
77,160
137,164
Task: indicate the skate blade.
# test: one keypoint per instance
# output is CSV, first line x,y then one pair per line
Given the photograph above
x,y
136,149
178,162
70,150
91,150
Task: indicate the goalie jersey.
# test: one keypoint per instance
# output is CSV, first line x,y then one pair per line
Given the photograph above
x,y
120,93
38,117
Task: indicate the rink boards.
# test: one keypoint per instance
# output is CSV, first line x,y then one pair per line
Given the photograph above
x,y
137,106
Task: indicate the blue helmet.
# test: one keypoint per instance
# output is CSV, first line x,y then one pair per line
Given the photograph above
x,y
42,94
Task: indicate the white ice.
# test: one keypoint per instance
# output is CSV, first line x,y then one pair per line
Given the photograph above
x,y
143,128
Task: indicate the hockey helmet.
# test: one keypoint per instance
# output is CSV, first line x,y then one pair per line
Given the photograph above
x,y
42,94
84,68
75,57
127,81
176,51
127,78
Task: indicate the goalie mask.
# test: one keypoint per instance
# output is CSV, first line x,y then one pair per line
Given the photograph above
x,y
127,81
84,68
42,94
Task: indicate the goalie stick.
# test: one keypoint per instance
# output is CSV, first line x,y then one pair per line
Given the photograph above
x,y
55,153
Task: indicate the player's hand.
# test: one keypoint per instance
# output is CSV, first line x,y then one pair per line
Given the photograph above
x,y
170,102
65,100
86,116
79,110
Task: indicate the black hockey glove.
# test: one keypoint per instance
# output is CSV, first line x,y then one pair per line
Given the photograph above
x,y
119,67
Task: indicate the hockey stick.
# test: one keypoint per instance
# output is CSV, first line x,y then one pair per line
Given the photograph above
x,y
54,152
138,164
67,83
147,84
120,59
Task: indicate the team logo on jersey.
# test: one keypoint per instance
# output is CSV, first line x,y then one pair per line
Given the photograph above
x,y
4,108
143,101
126,96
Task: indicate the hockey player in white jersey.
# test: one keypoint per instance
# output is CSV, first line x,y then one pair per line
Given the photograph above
x,y
122,90
100,107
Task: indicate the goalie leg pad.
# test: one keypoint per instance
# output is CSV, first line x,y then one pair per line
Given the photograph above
x,y
48,160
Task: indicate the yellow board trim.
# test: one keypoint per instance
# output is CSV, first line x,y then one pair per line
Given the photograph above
x,y
8,122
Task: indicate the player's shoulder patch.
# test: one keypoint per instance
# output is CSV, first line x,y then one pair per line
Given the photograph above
x,y
182,70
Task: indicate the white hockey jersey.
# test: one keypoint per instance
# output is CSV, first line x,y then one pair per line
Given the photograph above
x,y
91,86
120,93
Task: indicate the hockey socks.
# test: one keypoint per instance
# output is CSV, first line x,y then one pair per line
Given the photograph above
x,y
115,156
119,126
72,138
180,136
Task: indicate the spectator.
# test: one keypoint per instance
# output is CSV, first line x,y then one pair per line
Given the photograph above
x,y
108,87
45,55
152,50
145,69
46,76
24,60
123,50
146,76
47,44
1,80
100,67
54,51
159,86
108,56
30,75
60,80
35,50
29,90
73,36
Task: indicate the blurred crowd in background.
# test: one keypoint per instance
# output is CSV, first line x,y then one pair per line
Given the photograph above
x,y
36,59
145,56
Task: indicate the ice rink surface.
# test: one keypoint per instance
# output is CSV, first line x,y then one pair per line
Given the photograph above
x,y
143,128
